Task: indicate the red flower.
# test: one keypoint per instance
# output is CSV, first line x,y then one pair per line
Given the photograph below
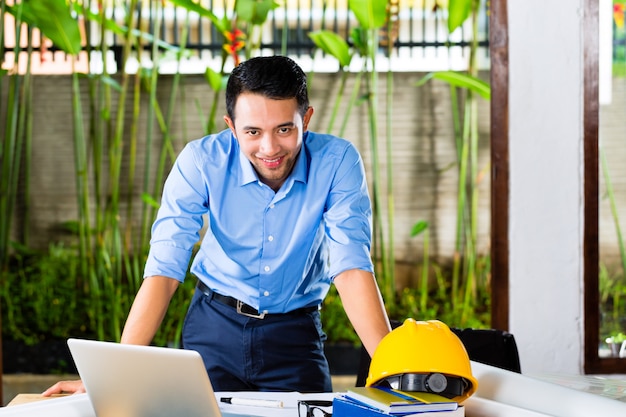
x,y
234,43
618,15
234,35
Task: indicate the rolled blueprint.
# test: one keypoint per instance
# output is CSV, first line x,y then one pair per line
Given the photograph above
x,y
522,391
481,407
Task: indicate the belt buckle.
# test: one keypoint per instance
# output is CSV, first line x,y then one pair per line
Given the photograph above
x,y
240,304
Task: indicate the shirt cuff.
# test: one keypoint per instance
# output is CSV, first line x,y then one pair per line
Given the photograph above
x,y
168,261
345,257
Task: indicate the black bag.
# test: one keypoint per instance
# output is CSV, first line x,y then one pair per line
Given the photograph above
x,y
491,347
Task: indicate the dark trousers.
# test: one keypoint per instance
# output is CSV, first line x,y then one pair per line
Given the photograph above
x,y
277,353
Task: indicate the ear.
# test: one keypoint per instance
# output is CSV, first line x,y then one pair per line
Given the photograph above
x,y
307,118
230,124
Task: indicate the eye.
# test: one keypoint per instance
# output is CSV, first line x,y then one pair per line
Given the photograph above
x,y
284,130
252,132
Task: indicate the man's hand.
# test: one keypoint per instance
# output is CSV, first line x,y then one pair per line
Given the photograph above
x,y
65,387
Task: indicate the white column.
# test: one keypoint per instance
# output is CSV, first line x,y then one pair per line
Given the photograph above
x,y
546,183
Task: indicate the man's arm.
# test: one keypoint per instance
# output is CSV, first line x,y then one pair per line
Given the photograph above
x,y
148,309
144,319
364,306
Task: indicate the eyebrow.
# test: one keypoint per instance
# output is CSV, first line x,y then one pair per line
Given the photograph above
x,y
286,124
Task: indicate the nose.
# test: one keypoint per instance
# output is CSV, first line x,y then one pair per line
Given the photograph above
x,y
269,145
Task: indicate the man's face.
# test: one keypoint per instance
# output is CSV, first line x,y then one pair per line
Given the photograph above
x,y
269,134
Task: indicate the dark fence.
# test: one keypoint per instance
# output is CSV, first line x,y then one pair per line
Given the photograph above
x,y
419,32
418,26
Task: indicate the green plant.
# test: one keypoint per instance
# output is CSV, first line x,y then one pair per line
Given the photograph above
x,y
45,298
106,240
619,34
42,296
111,246
462,294
372,15
614,212
612,293
612,287
617,338
421,227
335,46
335,323
240,29
466,278
47,16
434,300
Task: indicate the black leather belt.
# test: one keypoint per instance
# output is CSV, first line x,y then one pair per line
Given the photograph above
x,y
245,309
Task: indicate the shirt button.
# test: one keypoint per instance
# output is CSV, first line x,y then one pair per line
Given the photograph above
x,y
272,205
266,293
270,238
267,268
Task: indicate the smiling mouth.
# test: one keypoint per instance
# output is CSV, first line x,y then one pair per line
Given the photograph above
x,y
271,163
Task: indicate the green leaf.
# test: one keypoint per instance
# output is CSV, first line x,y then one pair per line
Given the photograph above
x,y
359,39
332,44
149,200
54,20
215,79
458,12
71,226
194,7
245,10
419,227
110,81
121,30
461,80
254,11
371,14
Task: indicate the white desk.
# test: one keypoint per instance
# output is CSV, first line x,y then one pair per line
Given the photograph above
x,y
500,394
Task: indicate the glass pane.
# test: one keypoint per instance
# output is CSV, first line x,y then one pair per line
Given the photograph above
x,y
612,277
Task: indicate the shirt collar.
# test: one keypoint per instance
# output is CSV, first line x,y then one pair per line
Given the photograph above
x,y
301,168
248,174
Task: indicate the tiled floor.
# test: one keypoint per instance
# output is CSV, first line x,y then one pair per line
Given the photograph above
x,y
13,384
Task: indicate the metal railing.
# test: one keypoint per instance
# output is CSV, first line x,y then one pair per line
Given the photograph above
x,y
421,38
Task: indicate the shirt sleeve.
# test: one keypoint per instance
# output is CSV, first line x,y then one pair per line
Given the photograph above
x,y
179,220
348,216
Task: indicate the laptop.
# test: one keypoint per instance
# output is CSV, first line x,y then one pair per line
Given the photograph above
x,y
143,381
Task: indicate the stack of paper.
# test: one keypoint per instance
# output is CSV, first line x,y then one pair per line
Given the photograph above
x,y
372,402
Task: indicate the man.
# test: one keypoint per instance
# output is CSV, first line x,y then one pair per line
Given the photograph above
x,y
288,214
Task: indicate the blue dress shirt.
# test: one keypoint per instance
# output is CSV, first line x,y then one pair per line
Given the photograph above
x,y
276,251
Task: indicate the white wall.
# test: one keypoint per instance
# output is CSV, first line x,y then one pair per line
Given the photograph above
x,y
546,188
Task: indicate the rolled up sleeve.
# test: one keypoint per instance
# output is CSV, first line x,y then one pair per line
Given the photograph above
x,y
179,221
349,217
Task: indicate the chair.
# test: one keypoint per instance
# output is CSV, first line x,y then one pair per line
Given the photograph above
x,y
489,346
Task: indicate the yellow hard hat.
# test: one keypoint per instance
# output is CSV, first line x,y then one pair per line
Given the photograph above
x,y
424,356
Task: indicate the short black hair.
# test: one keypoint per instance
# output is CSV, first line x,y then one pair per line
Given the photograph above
x,y
276,77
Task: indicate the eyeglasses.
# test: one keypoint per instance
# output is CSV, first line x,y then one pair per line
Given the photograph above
x,y
311,408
